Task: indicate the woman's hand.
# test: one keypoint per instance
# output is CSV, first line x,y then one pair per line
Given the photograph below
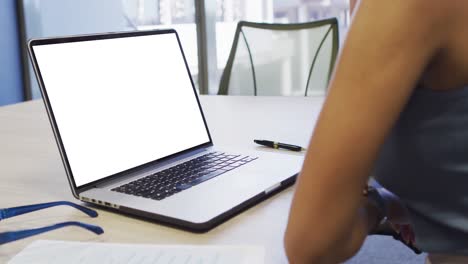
x,y
397,215
395,209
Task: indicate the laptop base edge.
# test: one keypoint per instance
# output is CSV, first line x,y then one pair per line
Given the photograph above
x,y
196,227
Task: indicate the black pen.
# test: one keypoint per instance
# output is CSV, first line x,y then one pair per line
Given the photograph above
x,y
277,145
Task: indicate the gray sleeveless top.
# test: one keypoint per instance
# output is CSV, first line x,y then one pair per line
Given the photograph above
x,y
425,162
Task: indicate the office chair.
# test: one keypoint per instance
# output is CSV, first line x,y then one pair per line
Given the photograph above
x,y
281,59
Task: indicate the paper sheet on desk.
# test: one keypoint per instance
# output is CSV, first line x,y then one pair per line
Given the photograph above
x,y
47,251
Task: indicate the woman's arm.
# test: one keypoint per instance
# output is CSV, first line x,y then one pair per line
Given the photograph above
x,y
389,45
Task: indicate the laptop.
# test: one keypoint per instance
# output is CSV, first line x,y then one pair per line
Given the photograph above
x,y
133,137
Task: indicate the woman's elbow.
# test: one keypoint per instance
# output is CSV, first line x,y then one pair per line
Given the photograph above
x,y
299,249
297,252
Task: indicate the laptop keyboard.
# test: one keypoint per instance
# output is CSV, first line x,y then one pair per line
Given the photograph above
x,y
165,183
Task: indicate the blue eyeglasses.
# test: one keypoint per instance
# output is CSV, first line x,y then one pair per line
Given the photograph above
x,y
7,237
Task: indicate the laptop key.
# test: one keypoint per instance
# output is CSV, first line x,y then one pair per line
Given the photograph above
x,y
206,177
237,164
248,159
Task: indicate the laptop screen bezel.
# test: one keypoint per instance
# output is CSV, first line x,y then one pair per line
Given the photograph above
x,y
81,38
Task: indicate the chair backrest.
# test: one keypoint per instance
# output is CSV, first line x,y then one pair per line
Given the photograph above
x,y
281,59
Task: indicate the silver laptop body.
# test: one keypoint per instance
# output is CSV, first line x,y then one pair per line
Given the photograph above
x,y
123,107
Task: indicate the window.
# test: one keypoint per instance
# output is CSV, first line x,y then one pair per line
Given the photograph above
x,y
160,14
45,18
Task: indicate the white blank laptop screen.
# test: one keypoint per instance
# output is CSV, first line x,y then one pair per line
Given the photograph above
x,y
120,103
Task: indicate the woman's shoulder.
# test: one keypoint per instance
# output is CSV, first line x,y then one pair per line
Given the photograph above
x,y
426,5
434,23
423,13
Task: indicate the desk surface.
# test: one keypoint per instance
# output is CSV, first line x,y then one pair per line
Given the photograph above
x,y
31,171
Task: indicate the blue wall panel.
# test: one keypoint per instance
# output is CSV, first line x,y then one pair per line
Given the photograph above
x,y
11,84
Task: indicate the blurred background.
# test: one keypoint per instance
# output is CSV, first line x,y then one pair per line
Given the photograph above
x,y
206,28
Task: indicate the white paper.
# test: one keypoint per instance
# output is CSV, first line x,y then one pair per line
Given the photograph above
x,y
47,251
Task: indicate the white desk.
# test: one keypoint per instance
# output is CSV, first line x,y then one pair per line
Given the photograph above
x,y
31,171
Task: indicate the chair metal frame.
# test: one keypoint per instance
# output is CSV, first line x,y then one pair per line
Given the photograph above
x,y
333,29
